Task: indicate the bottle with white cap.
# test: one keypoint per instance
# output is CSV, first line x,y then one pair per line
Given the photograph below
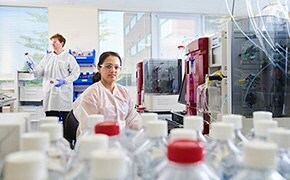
x,y
140,137
257,116
47,120
181,133
262,115
109,164
195,123
35,141
59,151
153,151
79,168
112,129
222,153
236,120
281,137
92,120
262,127
25,165
258,162
185,161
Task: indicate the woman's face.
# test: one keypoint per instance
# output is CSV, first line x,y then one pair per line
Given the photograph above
x,y
110,69
56,45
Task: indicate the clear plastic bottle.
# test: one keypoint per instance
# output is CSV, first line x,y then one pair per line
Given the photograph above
x,y
195,123
222,154
59,151
262,127
259,115
91,121
35,141
185,161
236,120
47,120
181,133
109,165
80,166
25,165
140,137
281,137
30,61
112,129
153,151
258,162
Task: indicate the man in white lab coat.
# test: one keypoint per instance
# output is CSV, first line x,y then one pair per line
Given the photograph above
x,y
59,69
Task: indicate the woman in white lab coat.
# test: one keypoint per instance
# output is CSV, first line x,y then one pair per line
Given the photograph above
x,y
59,69
107,97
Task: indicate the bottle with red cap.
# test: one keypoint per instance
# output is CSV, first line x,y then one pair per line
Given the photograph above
x,y
185,161
112,129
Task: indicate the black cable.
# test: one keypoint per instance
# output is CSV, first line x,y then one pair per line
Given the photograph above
x,y
233,7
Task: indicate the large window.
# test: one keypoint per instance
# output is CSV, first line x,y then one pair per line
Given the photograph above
x,y
215,23
129,34
137,36
22,30
172,30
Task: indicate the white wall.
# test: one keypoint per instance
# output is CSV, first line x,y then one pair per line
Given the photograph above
x,y
79,25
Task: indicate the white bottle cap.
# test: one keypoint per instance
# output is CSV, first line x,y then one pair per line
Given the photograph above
x,y
259,154
280,136
262,127
93,142
262,115
180,133
108,164
193,122
233,119
94,119
35,141
145,117
49,119
25,165
157,128
55,131
222,131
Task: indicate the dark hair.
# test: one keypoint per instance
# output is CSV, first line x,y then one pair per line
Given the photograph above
x,y
106,54
59,37
97,77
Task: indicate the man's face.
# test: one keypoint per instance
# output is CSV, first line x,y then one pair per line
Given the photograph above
x,y
56,45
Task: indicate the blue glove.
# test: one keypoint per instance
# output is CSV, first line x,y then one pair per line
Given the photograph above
x,y
60,82
30,64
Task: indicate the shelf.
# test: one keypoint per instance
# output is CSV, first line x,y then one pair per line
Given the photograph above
x,y
25,76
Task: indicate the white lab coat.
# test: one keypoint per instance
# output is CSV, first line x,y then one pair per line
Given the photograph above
x,y
116,106
52,67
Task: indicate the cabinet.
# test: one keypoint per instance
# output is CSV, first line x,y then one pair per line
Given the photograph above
x,y
7,92
29,92
86,61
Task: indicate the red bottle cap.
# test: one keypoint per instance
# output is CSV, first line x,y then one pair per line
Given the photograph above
x,y
110,128
185,151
